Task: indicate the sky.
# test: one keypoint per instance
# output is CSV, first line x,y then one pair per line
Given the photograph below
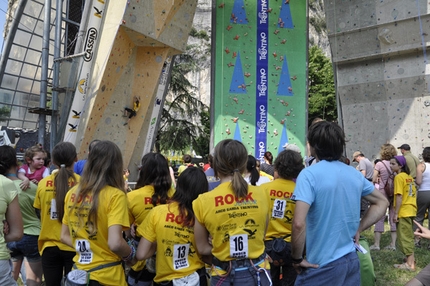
x,y
3,10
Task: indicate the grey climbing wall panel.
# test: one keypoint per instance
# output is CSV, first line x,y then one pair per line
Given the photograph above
x,y
379,52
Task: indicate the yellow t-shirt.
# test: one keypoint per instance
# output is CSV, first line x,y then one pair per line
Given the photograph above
x,y
264,174
50,231
136,105
281,208
237,226
176,252
93,251
184,167
404,185
140,204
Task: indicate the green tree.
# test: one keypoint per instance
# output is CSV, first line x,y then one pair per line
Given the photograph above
x,y
185,119
201,144
4,113
322,95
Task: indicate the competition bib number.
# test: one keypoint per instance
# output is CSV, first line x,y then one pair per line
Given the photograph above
x,y
279,208
53,212
239,246
83,249
180,256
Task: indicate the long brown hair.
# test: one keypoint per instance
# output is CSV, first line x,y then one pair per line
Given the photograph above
x,y
230,159
191,183
64,156
103,168
155,171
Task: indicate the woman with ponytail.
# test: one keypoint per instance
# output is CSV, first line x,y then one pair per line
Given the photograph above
x,y
252,175
235,216
57,257
153,187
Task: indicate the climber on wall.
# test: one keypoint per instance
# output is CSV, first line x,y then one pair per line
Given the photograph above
x,y
132,112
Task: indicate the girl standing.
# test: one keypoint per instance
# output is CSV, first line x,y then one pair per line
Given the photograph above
x,y
278,193
234,215
34,168
27,246
57,257
153,187
177,259
405,206
96,214
382,175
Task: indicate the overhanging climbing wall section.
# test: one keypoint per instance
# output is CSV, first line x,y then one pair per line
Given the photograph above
x,y
260,92
379,51
128,61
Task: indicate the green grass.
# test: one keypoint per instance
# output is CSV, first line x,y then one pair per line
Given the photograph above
x,y
383,260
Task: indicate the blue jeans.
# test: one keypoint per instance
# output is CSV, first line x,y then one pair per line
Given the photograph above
x,y
6,278
343,271
26,247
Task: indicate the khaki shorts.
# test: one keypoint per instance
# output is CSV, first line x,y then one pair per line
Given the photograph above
x,y
405,236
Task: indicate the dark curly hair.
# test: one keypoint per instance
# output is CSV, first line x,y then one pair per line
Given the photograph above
x,y
289,164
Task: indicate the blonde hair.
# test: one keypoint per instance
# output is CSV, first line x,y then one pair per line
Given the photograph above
x,y
230,159
387,151
104,167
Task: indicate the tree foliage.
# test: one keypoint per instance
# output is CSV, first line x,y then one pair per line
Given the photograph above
x,y
185,120
322,95
4,113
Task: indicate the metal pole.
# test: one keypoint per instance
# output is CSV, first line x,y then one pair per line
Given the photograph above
x,y
44,75
56,75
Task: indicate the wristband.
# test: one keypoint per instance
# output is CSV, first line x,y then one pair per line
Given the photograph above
x,y
132,254
297,261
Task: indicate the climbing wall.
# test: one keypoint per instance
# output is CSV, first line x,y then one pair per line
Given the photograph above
x,y
379,51
128,61
259,84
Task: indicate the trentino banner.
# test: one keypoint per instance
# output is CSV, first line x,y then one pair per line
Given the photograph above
x,y
260,85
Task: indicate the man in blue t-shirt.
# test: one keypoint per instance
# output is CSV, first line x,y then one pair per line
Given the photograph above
x,y
327,213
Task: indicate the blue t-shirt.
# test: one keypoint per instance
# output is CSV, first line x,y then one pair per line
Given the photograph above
x,y
212,180
333,190
78,168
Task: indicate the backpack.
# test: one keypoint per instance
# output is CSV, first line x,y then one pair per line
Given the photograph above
x,y
389,188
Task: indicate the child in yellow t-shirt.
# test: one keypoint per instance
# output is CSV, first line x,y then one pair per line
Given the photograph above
x,y
405,205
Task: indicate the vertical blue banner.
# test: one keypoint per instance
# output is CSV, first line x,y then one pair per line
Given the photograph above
x,y
259,75
262,75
